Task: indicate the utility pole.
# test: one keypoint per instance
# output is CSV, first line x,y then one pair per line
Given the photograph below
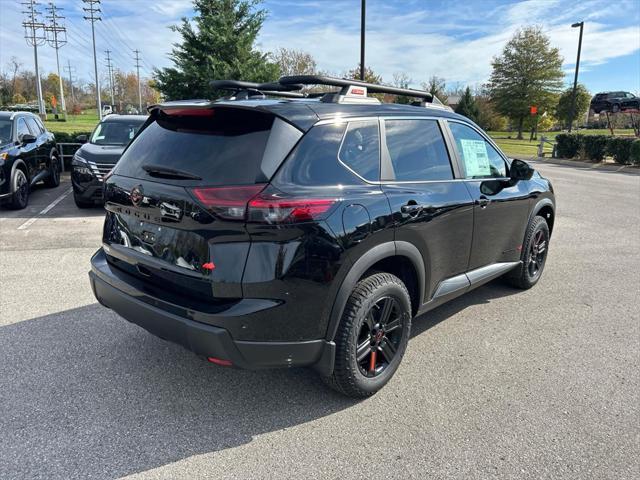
x,y
59,34
93,12
32,27
575,79
137,52
110,69
363,14
71,70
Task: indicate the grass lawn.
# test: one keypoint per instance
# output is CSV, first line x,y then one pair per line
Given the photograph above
x,y
525,148
85,122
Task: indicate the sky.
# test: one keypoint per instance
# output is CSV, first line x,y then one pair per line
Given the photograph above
x,y
455,40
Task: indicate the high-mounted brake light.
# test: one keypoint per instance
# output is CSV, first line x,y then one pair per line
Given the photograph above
x,y
190,112
273,209
227,202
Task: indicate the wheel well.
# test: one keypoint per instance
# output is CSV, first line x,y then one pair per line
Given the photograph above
x,y
546,212
21,166
402,268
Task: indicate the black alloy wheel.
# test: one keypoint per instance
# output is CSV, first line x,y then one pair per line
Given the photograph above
x,y
20,197
534,255
380,336
537,254
53,180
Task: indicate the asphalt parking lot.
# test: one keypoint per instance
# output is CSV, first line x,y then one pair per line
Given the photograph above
x,y
497,384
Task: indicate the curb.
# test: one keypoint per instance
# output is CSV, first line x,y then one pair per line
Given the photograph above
x,y
610,167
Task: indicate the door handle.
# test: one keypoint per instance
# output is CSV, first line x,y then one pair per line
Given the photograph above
x,y
483,201
411,208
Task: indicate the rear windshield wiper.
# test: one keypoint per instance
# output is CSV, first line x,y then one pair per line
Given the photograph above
x,y
165,172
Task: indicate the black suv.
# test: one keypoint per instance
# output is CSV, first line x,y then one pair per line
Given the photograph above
x,y
96,158
309,232
28,155
614,102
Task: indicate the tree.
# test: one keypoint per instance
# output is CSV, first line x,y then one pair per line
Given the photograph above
x,y
294,62
563,109
436,86
529,72
217,43
402,80
467,106
369,75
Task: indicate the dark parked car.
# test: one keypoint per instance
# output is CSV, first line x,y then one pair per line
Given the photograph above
x,y
614,102
28,155
309,232
96,158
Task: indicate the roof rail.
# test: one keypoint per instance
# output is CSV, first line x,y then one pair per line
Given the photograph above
x,y
245,90
351,89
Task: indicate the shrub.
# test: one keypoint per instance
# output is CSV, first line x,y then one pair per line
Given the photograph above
x,y
635,152
69,137
595,146
568,145
620,149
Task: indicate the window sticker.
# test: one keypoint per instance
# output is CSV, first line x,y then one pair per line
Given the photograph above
x,y
476,158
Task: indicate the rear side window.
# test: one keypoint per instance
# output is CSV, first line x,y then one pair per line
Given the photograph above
x,y
417,150
225,147
360,149
314,162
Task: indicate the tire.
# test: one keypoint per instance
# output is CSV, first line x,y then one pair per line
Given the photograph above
x,y
615,108
365,333
534,255
80,203
20,197
53,180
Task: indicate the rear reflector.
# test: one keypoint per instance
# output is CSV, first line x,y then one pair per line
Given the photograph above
x,y
220,361
227,202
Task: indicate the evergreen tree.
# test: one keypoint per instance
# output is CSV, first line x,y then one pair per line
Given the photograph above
x,y
529,72
468,106
218,43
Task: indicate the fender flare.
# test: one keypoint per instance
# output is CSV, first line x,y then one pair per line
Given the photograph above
x,y
364,263
543,202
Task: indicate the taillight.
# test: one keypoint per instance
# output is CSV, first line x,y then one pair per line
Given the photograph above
x,y
227,202
273,208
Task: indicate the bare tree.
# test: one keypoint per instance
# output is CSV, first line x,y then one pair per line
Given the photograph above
x,y
436,86
294,62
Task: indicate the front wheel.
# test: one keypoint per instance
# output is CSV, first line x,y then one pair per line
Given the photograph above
x,y
534,255
53,180
20,197
615,108
372,336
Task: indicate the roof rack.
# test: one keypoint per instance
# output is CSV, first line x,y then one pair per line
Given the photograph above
x,y
245,90
355,91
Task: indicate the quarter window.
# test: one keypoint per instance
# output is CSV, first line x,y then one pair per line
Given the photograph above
x,y
478,156
360,149
417,150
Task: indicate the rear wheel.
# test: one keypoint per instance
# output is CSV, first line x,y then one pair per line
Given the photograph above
x,y
372,336
534,255
53,180
20,197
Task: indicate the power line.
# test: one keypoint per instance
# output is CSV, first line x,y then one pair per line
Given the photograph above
x,y
32,28
110,69
93,11
71,70
58,31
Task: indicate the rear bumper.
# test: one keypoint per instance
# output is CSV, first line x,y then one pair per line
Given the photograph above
x,y
203,339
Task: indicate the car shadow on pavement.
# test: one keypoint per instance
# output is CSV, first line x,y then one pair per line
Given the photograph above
x,y
87,394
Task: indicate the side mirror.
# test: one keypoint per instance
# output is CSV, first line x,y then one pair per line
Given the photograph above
x,y
520,170
27,138
81,139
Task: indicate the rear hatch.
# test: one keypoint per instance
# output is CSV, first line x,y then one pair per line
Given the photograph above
x,y
176,201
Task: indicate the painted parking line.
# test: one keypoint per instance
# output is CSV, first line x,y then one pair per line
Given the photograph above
x,y
32,220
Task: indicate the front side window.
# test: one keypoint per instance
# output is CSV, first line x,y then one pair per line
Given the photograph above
x,y
114,133
22,128
33,126
479,158
417,150
360,149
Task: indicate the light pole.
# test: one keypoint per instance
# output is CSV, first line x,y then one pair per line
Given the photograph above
x,y
363,13
575,79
